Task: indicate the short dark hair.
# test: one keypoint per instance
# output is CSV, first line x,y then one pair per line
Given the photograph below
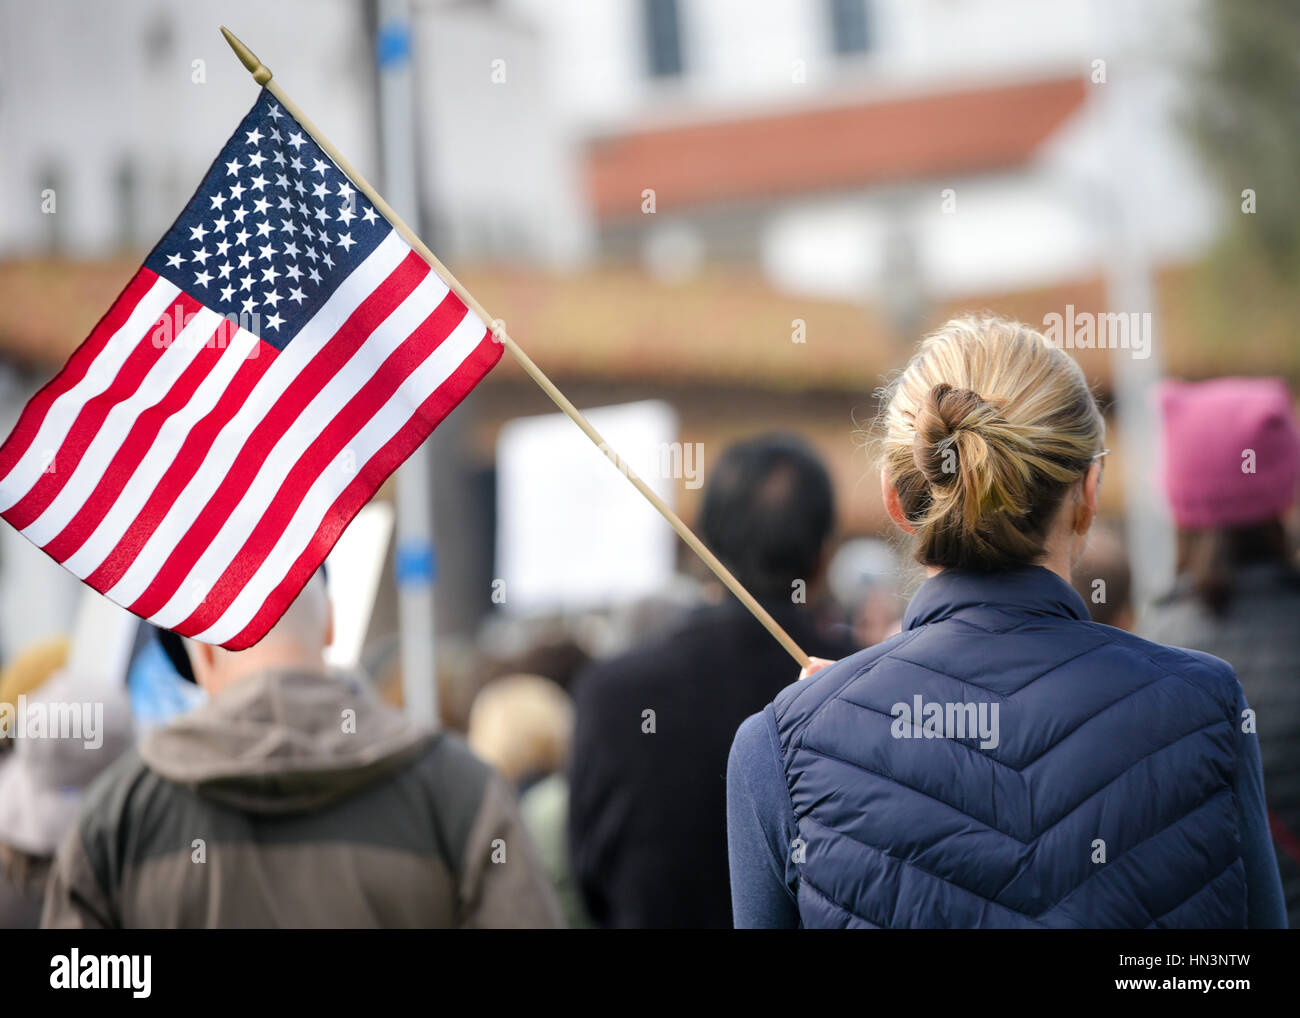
x,y
768,511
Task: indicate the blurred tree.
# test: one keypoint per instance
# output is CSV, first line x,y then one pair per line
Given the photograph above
x,y
1245,119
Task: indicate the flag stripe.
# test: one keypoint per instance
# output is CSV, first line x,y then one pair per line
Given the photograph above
x,y
186,535
398,447
222,533
189,481
322,454
146,376
61,537
33,415
64,410
103,563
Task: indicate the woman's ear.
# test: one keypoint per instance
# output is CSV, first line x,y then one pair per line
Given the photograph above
x,y
1086,510
892,505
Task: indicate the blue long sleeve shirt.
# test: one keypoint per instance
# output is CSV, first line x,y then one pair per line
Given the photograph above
x,y
761,830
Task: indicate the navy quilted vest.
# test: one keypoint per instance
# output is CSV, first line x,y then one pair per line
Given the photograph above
x,y
1005,762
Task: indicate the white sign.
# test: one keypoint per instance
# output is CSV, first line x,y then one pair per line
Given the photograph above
x,y
572,531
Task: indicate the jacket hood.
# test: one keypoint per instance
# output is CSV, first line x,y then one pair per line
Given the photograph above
x,y
284,742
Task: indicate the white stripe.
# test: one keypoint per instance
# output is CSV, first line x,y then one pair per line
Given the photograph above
x,y
388,421
390,334
166,444
63,411
363,280
173,361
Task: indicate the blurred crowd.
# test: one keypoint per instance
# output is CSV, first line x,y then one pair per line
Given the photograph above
x,y
579,776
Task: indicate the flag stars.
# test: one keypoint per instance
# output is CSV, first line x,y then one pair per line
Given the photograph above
x,y
237,191
248,305
220,225
292,271
201,256
266,251
222,247
322,215
241,238
313,275
254,136
270,275
346,215
297,295
245,260
174,261
227,293
274,321
217,200
277,157
260,206
233,167
259,183
246,283
203,278
320,190
369,214
224,270
264,228
274,112
296,140
345,241
273,299
319,166
198,232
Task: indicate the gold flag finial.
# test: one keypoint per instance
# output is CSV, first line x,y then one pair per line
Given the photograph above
x,y
261,73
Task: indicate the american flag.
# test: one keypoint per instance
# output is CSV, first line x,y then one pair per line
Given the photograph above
x,y
281,351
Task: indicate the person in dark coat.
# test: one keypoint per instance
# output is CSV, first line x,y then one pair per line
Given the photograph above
x,y
1004,761
1232,463
647,828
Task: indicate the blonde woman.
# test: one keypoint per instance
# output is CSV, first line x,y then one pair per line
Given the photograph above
x,y
1003,761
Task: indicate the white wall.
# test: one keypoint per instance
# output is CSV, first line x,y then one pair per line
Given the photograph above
x,y
81,87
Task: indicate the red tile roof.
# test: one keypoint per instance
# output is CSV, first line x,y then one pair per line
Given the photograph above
x,y
829,148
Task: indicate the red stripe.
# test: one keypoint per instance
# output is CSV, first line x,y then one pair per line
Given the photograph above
x,y
33,416
183,467
137,443
139,362
431,413
318,457
272,426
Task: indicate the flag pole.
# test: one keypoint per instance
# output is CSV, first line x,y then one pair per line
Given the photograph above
x,y
262,75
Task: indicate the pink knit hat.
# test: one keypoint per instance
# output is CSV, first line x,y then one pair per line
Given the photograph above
x,y
1232,451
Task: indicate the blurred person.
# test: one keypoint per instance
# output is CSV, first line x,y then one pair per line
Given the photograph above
x,y
647,824
1004,761
296,798
43,775
1231,465
1103,579
523,726
864,577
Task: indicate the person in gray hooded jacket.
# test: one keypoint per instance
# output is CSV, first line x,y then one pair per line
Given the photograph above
x,y
294,798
